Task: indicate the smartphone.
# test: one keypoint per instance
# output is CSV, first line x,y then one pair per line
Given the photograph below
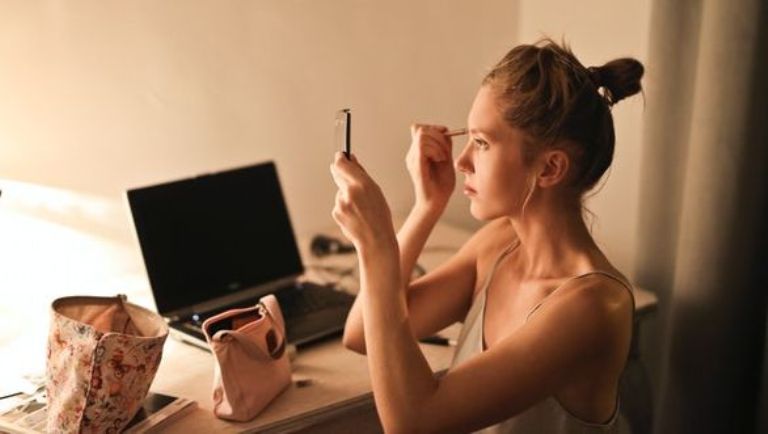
x,y
343,130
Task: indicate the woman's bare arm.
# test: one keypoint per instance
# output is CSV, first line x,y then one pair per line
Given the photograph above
x,y
579,328
439,298
584,328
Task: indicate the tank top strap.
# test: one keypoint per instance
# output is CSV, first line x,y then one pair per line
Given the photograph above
x,y
512,246
624,283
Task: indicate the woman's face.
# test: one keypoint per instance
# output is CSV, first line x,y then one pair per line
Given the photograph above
x,y
496,180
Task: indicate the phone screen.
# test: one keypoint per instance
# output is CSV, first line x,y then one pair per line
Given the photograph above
x,y
343,129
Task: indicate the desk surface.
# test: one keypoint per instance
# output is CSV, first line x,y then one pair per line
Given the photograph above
x,y
338,379
338,385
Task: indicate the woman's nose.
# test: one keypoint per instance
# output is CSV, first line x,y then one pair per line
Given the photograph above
x,y
463,162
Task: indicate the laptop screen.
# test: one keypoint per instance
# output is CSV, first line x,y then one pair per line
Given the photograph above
x,y
213,235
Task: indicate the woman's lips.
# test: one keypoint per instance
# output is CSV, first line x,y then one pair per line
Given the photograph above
x,y
469,191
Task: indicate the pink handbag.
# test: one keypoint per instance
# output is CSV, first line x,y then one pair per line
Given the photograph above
x,y
103,353
252,366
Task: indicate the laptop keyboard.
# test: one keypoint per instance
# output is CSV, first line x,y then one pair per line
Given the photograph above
x,y
310,311
311,298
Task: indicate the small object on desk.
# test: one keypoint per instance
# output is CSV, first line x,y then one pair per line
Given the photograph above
x,y
302,382
24,413
438,340
291,350
10,395
157,412
12,385
252,367
324,245
83,328
29,415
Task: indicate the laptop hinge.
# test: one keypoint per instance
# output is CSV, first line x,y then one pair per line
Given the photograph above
x,y
241,295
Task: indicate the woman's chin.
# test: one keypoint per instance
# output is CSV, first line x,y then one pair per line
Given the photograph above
x,y
482,213
477,211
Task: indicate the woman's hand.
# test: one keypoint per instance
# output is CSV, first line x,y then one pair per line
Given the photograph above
x,y
361,211
430,164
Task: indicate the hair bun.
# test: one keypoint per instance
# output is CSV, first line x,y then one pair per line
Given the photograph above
x,y
594,75
620,77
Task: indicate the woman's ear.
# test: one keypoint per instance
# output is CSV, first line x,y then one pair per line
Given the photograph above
x,y
554,165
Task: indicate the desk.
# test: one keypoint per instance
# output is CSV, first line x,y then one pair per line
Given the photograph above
x,y
338,400
339,397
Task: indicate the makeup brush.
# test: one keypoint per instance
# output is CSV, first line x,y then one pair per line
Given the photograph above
x,y
459,132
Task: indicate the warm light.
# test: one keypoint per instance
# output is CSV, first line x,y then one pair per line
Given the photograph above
x,y
39,199
54,243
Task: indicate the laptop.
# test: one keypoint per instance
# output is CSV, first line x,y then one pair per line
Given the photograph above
x,y
223,240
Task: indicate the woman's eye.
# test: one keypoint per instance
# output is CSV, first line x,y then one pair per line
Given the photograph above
x,y
480,144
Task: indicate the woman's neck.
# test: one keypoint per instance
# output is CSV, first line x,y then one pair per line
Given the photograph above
x,y
554,242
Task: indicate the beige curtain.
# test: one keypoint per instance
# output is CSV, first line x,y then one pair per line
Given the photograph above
x,y
703,215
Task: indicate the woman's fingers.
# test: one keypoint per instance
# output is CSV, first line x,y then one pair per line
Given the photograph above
x,y
350,177
427,147
434,151
345,170
434,134
340,178
360,208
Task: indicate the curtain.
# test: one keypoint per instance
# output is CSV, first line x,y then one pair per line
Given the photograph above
x,y
703,214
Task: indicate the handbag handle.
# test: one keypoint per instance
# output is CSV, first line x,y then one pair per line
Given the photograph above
x,y
252,348
279,335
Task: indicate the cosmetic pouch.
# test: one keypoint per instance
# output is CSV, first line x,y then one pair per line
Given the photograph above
x,y
103,353
251,365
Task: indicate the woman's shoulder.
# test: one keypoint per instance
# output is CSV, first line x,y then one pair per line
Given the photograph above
x,y
607,294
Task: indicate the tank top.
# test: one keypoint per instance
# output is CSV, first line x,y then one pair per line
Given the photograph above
x,y
547,416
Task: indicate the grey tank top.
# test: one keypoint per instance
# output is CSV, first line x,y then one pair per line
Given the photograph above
x,y
547,416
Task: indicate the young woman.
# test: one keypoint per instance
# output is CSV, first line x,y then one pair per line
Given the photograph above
x,y
547,318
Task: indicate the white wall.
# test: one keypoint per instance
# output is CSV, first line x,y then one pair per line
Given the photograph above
x,y
96,97
599,31
100,96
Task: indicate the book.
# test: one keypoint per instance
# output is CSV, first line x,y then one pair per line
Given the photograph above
x,y
158,411
27,414
23,405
